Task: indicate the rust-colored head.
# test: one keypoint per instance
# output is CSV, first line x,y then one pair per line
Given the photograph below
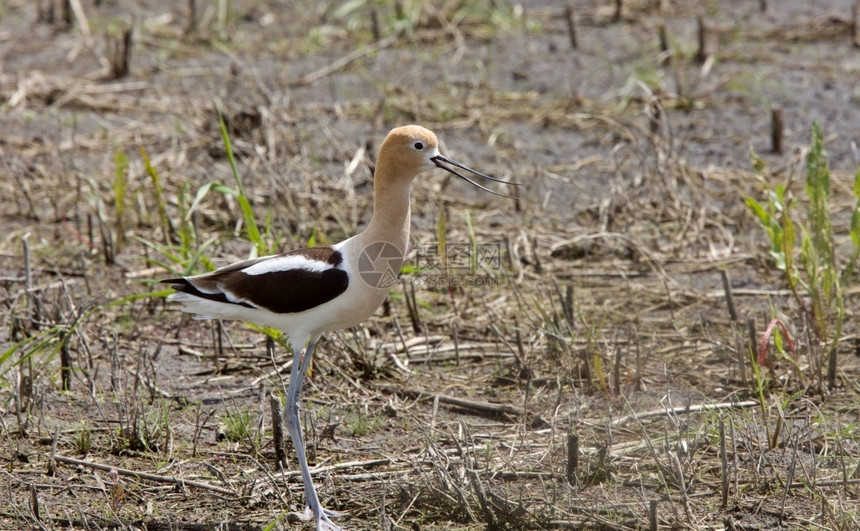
x,y
411,149
406,152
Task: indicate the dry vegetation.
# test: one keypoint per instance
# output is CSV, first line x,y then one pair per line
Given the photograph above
x,y
594,369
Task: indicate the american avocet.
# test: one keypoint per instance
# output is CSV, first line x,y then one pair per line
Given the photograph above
x,y
308,292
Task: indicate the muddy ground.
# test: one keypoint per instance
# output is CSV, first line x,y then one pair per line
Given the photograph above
x,y
595,325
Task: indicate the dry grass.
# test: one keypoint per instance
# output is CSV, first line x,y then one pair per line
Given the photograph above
x,y
603,332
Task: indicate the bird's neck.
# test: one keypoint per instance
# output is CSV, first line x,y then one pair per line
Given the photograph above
x,y
391,216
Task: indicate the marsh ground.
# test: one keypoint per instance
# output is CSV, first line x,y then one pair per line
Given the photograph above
x,y
597,309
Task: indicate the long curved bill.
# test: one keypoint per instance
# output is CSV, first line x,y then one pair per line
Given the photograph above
x,y
440,161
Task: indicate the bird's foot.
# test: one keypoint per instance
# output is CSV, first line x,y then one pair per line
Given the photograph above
x,y
325,524
323,518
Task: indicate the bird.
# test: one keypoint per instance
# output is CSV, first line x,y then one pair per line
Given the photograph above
x,y
307,292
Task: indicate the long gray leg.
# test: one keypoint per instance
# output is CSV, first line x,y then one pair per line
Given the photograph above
x,y
301,362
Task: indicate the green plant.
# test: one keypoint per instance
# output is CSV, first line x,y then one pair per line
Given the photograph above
x,y
810,270
161,202
360,423
183,257
49,341
143,430
83,439
46,340
238,427
850,270
181,250
251,228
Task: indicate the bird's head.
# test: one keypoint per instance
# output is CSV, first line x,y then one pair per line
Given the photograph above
x,y
411,149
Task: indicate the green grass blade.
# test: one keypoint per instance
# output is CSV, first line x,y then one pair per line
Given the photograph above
x,y
854,231
251,227
161,202
120,186
33,344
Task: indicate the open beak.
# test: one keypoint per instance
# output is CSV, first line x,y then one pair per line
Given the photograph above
x,y
440,161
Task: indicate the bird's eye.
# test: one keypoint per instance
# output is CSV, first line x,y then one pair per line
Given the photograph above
x,y
418,145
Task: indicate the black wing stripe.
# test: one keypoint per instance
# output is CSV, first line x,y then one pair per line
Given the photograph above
x,y
288,291
291,291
